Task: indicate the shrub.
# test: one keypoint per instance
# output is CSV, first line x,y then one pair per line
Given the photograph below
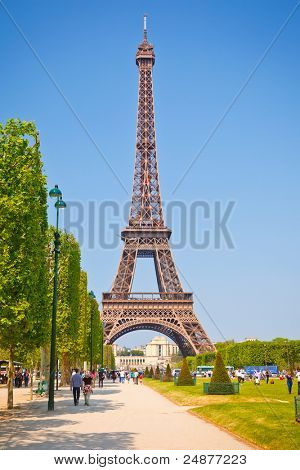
x,y
168,374
185,377
151,373
220,382
157,373
146,374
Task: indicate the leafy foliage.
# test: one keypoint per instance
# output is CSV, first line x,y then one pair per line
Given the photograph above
x,y
23,223
282,352
185,377
157,373
220,374
96,324
220,383
151,373
168,374
146,374
109,358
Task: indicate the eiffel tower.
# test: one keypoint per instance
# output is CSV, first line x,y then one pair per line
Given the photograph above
x,y
170,310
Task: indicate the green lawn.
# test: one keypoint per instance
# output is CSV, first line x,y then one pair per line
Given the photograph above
x,y
264,414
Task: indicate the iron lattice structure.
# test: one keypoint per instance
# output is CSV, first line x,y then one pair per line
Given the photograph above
x,y
169,311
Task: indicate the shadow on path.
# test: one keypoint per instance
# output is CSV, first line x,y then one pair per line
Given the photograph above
x,y
74,441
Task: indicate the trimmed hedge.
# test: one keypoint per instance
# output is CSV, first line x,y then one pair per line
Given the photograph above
x,y
146,374
151,373
220,374
185,377
157,373
220,389
168,374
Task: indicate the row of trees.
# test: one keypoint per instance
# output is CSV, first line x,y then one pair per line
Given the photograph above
x,y
26,266
281,351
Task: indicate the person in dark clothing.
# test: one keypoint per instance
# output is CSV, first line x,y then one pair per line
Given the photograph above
x,y
113,376
267,376
289,382
76,383
26,378
101,378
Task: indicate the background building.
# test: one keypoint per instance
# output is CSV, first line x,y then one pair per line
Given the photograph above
x,y
157,352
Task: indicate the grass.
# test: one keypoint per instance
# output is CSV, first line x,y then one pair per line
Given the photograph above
x,y
264,415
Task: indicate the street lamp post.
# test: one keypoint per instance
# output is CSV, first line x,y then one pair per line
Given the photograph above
x,y
92,296
59,204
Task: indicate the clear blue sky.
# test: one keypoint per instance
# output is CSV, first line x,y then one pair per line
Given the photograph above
x,y
205,51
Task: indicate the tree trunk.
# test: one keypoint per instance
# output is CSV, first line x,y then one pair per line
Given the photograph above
x,y
10,383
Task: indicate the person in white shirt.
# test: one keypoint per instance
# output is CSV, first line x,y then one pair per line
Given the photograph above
x,y
298,379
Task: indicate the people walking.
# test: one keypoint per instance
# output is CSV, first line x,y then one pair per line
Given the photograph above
x,y
141,378
114,376
101,378
87,388
289,381
136,377
122,376
298,380
26,378
267,374
76,383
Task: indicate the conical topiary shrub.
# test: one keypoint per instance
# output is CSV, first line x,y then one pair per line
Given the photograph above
x,y
146,374
151,373
220,383
168,374
157,373
185,377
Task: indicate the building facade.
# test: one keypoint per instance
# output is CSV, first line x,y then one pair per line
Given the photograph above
x,y
157,352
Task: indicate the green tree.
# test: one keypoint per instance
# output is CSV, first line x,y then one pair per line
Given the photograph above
x,y
220,383
136,352
84,320
185,377
94,314
151,373
108,356
146,374
24,318
68,306
157,373
168,374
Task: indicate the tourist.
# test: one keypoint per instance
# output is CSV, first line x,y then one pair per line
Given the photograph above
x,y
298,380
141,377
122,376
87,387
101,377
136,377
289,381
132,376
267,375
113,376
26,378
76,384
127,377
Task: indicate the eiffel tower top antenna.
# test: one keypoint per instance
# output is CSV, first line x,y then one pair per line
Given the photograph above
x,y
145,28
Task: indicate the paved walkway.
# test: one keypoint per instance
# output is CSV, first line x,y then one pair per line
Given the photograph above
x,y
121,416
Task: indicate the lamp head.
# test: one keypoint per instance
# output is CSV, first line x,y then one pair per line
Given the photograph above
x,y
55,192
60,204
